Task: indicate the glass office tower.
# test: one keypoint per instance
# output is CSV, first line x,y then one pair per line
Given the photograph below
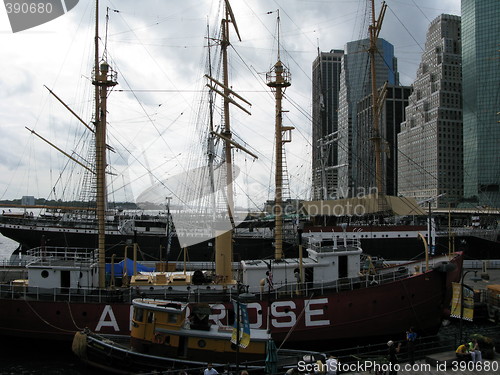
x,y
481,101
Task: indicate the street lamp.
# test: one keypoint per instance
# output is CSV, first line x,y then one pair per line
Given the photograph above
x,y
475,279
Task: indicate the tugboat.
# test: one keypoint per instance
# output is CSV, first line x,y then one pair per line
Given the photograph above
x,y
172,335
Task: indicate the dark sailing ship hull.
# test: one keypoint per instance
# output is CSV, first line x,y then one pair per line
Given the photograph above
x,y
152,245
388,242
401,242
474,248
360,313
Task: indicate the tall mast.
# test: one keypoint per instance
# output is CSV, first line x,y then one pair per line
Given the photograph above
x,y
374,30
224,239
103,78
279,79
229,17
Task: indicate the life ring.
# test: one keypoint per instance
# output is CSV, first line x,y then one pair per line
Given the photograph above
x,y
159,338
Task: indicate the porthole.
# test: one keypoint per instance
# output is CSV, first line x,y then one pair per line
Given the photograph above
x,y
45,274
202,343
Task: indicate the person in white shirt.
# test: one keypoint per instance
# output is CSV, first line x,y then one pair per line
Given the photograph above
x,y
210,370
331,365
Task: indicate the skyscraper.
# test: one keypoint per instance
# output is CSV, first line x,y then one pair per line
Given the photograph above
x,y
481,100
430,142
325,91
355,84
392,115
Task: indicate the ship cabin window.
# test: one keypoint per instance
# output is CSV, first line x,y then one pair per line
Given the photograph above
x,y
172,318
151,316
138,314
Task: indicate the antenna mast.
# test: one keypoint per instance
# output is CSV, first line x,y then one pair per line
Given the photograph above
x,y
103,78
278,79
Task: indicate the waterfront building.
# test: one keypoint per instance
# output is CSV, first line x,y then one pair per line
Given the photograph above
x,y
430,142
325,106
481,103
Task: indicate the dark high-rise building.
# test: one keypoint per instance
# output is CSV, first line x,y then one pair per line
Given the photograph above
x,y
325,91
392,115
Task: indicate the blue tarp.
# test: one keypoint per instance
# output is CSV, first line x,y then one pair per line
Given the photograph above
x,y
130,268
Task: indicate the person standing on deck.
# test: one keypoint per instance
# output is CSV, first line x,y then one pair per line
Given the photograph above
x,y
410,339
393,358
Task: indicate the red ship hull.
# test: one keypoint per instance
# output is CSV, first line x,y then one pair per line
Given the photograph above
x,y
359,313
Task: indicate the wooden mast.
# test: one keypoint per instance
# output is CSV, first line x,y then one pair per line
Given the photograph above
x,y
229,17
279,79
224,238
374,31
103,78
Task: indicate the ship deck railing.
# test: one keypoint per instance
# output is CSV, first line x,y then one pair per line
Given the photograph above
x,y
9,263
363,280
123,294
85,295
18,291
335,244
47,255
487,234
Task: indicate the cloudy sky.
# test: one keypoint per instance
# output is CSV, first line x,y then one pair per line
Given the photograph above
x,y
159,49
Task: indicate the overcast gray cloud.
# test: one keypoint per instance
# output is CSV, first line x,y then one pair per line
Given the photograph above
x,y
159,46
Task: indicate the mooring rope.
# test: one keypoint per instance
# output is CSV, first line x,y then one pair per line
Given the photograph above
x,y
45,321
